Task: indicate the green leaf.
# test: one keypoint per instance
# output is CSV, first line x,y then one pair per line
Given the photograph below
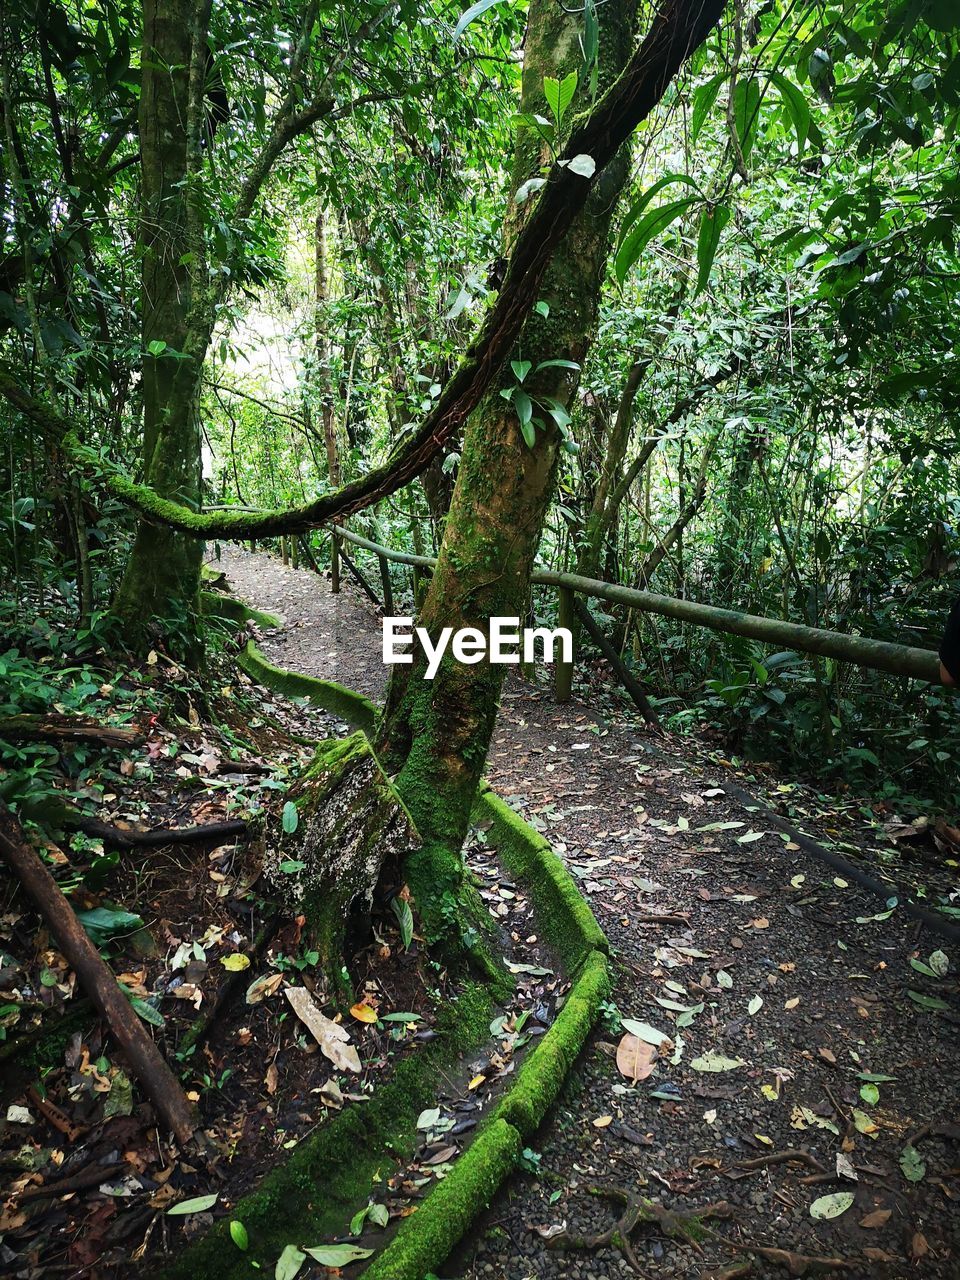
x,y
583,165
714,219
524,407
197,1205
557,364
542,308
911,1164
559,94
105,922
833,1205
933,1003
644,231
870,1094
469,15
644,1031
401,1017
289,1263
291,818
157,347
795,104
238,1234
705,95
147,1013
521,368
337,1255
638,207
746,114
401,909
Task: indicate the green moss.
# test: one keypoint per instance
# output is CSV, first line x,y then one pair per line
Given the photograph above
x,y
328,1176
566,922
352,707
427,1237
214,605
563,916
541,1077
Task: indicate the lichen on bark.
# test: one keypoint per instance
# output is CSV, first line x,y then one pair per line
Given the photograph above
x,y
352,836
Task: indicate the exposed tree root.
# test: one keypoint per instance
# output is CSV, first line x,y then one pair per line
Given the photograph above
x,y
158,837
640,1212
800,1155
692,1229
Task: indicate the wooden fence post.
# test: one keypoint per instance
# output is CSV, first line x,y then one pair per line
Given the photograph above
x,y
294,551
387,586
335,563
284,549
627,679
563,676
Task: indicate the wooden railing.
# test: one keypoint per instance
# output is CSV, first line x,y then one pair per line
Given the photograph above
x,y
878,655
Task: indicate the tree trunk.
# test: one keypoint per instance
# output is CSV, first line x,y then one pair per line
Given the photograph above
x,y
162,576
435,734
352,834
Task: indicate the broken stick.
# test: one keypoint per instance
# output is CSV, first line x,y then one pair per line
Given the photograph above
x,y
59,728
146,1061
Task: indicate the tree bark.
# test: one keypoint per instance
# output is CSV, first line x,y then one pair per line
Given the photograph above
x,y
436,733
352,834
162,576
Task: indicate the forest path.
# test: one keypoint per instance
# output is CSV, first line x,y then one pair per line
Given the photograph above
x,y
795,986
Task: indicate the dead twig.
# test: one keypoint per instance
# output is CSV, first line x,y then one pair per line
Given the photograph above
x,y
799,1155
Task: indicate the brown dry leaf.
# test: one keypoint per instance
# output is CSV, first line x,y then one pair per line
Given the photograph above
x,y
272,1078
918,1245
876,1219
761,922
878,1255
333,1040
601,1122
792,1002
828,1056
635,1058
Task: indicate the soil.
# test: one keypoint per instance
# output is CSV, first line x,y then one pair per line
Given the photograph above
x,y
799,985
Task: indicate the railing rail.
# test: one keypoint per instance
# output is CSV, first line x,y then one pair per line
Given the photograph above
x,y
877,655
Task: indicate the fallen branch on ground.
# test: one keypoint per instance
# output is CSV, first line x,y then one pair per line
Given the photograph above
x,y
146,1062
156,837
58,728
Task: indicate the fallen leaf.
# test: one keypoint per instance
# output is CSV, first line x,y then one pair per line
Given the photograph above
x,y
716,1062
911,1164
833,1205
263,987
601,1122
330,1036
878,1218
236,962
363,1012
272,1078
761,923
792,1002
199,1204
635,1058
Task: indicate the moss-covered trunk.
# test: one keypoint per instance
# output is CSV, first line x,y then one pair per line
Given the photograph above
x,y
162,576
435,734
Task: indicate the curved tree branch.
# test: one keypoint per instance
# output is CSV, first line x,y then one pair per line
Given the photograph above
x,y
679,27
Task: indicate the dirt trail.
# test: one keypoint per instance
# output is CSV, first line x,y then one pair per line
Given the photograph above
x,y
781,984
